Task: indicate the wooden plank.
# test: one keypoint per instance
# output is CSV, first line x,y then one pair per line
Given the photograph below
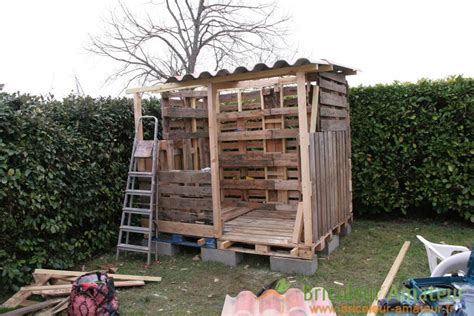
x,y
32,308
21,295
235,212
186,94
184,113
334,125
389,279
213,109
332,112
260,184
331,85
339,77
262,248
137,114
298,229
256,83
185,190
333,99
115,276
266,134
65,289
185,203
188,177
176,135
259,159
304,153
186,229
314,110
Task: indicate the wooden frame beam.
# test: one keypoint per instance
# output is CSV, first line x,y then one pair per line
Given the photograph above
x,y
304,154
252,75
213,109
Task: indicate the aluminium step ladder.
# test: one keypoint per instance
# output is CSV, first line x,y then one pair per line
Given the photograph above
x,y
140,196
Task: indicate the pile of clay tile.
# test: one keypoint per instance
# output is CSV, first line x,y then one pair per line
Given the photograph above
x,y
271,303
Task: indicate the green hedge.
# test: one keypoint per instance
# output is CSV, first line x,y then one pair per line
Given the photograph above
x,y
63,167
413,147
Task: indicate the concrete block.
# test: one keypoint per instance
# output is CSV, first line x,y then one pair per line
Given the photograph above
x,y
347,230
164,248
293,265
331,245
227,257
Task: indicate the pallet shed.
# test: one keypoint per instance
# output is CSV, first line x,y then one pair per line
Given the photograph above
x,y
259,159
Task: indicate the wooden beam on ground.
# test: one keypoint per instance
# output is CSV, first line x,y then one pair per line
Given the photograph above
x,y
304,153
115,276
32,308
213,109
21,295
65,289
389,279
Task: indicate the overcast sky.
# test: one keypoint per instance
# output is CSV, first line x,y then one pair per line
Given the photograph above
x,y
42,42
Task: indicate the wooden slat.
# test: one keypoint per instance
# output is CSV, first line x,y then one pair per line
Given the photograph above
x,y
184,113
185,190
261,184
304,154
186,229
185,203
213,109
334,125
175,135
267,134
333,99
332,112
115,276
185,177
341,78
331,85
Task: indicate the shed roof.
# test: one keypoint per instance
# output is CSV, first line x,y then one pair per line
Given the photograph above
x,y
260,70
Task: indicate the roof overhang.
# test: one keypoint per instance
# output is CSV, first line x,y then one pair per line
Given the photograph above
x,y
259,71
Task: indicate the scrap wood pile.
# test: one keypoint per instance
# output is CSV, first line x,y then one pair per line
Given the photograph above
x,y
55,287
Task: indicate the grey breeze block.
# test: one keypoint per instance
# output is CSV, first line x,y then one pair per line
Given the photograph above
x,y
227,257
293,265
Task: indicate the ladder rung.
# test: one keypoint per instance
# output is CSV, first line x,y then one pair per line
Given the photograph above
x,y
135,229
134,210
140,174
136,248
138,192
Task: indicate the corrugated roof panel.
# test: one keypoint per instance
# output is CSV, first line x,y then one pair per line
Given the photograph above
x,y
258,67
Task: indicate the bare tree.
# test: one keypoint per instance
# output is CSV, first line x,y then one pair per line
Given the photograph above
x,y
182,36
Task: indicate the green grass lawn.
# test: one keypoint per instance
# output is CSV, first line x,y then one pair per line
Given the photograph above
x,y
362,261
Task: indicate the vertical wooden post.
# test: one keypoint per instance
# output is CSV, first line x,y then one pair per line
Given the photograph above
x,y
137,113
212,108
304,154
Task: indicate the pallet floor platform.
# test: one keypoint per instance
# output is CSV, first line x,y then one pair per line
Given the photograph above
x,y
261,226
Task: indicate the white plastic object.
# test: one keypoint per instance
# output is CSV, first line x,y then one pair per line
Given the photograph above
x,y
454,264
439,252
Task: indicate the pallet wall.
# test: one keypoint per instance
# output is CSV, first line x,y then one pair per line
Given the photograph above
x,y
184,189
258,147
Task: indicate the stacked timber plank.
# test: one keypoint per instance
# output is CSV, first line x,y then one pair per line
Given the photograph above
x,y
52,284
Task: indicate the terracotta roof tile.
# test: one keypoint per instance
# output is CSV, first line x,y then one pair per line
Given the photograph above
x,y
271,303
